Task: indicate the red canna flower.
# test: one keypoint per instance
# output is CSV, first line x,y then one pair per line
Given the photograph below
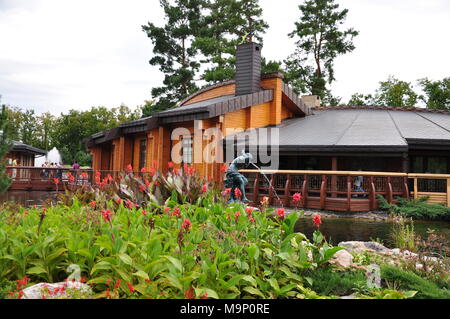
x,y
226,192
84,175
186,224
236,215
144,212
237,193
143,170
176,212
129,169
317,220
280,213
170,164
119,200
204,188
249,211
107,293
83,279
107,215
97,174
156,183
147,183
166,209
97,180
93,203
129,204
71,178
20,295
190,293
223,168
56,181
130,286
297,197
117,285
142,188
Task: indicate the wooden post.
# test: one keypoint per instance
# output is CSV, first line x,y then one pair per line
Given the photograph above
x,y
323,193
405,188
389,191
415,187
373,196
305,191
287,192
448,192
334,167
349,192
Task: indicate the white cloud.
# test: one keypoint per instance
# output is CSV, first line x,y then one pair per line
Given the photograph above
x,y
57,54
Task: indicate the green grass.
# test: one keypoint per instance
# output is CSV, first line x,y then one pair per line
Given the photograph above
x,y
406,280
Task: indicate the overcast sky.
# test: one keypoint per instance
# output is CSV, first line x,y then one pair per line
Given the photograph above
x,y
62,54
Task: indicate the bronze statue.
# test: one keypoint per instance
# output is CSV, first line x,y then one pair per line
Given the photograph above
x,y
235,180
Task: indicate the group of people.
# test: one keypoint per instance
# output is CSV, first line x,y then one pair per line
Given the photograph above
x,y
51,173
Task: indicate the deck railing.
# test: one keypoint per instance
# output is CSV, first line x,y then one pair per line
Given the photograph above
x,y
331,190
336,190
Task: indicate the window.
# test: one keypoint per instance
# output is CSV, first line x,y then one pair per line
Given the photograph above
x,y
142,153
187,150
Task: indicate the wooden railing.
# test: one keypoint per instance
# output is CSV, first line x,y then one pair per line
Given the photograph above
x,y
42,178
336,190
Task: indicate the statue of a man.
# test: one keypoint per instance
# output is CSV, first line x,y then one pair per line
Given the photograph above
x,y
235,180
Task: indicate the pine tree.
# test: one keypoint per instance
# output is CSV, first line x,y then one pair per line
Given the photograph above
x,y
5,147
226,24
173,50
320,40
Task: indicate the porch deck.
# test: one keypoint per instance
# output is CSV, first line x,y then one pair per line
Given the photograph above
x,y
335,190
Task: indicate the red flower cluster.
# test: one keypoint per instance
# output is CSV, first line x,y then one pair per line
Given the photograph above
x,y
84,175
223,168
237,215
170,165
144,212
226,192
70,177
129,169
129,204
237,193
93,203
142,188
186,224
107,215
280,213
204,188
130,286
317,220
176,212
297,197
56,181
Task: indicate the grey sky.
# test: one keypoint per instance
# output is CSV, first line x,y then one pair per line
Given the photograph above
x,y
62,54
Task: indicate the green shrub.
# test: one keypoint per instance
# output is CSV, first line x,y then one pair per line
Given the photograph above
x,y
415,208
409,281
402,234
339,283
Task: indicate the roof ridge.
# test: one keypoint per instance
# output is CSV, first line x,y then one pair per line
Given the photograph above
x,y
397,128
388,108
348,127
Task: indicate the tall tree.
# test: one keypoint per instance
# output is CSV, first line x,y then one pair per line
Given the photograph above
x,y
437,93
396,93
358,99
319,42
225,24
44,128
5,147
173,50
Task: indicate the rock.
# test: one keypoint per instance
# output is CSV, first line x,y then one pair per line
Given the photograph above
x,y
407,253
55,290
395,251
360,246
342,258
348,297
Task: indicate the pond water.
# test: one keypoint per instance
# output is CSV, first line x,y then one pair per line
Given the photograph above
x,y
334,229
347,229
26,198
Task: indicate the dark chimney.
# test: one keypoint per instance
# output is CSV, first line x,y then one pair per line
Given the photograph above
x,y
248,68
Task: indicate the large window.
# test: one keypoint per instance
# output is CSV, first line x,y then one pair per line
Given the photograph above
x,y
187,150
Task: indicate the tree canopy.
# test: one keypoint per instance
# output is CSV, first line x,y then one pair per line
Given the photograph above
x,y
5,147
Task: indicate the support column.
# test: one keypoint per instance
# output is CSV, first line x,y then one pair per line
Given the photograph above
x,y
334,167
405,163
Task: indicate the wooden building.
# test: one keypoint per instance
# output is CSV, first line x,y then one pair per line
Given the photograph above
x,y
310,137
23,154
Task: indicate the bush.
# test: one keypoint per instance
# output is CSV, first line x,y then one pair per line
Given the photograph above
x,y
410,281
339,283
416,208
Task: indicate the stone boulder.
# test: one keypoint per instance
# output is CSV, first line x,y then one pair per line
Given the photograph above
x,y
342,258
361,246
60,290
